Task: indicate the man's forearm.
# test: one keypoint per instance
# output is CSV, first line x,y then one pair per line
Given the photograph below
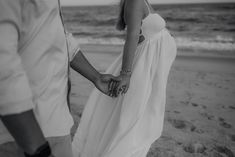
x,y
82,66
25,130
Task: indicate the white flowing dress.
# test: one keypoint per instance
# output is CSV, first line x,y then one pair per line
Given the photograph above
x,y
127,126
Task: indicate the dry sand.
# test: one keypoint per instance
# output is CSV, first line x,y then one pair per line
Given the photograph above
x,y
200,109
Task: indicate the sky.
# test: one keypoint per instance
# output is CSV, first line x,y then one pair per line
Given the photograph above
x,y
107,2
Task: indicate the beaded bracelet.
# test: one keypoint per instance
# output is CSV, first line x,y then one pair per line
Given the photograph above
x,y
126,72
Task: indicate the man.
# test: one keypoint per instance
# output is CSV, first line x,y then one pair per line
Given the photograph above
x,y
34,69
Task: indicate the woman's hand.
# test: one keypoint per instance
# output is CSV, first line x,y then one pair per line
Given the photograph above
x,y
116,88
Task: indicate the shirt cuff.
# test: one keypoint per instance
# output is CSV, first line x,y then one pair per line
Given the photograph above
x,y
16,108
74,54
73,46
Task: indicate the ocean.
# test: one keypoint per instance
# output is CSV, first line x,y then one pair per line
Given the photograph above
x,y
194,26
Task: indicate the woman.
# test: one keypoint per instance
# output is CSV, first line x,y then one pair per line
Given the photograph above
x,y
127,126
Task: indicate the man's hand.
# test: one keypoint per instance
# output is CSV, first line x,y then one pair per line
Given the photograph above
x,y
103,81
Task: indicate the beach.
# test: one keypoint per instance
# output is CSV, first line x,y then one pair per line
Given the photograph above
x,y
199,112
200,106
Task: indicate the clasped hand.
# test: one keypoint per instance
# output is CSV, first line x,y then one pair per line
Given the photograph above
x,y
111,85
119,87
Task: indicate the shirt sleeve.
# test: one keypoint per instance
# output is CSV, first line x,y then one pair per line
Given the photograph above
x,y
73,46
15,92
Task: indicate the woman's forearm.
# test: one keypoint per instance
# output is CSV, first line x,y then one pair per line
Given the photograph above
x,y
133,22
129,52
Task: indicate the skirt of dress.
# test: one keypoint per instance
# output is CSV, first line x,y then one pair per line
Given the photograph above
x,y
127,126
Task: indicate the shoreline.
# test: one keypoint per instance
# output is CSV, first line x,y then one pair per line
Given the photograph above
x,y
105,48
186,59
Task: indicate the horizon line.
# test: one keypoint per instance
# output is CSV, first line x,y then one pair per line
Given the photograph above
x,y
183,3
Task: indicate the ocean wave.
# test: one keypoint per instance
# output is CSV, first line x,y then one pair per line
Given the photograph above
x,y
97,22
183,19
219,43
101,41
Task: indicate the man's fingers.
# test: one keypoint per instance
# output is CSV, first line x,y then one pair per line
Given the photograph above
x,y
114,89
118,79
107,77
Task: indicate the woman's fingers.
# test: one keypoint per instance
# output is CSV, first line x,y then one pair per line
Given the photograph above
x,y
119,90
116,88
126,89
123,89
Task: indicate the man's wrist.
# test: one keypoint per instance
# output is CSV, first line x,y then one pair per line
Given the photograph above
x,y
43,151
96,77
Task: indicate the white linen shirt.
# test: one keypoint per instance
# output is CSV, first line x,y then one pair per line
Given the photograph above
x,y
34,64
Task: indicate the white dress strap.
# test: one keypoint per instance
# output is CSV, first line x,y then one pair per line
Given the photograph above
x,y
147,4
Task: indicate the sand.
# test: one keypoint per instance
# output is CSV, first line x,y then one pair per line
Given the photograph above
x,y
200,108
